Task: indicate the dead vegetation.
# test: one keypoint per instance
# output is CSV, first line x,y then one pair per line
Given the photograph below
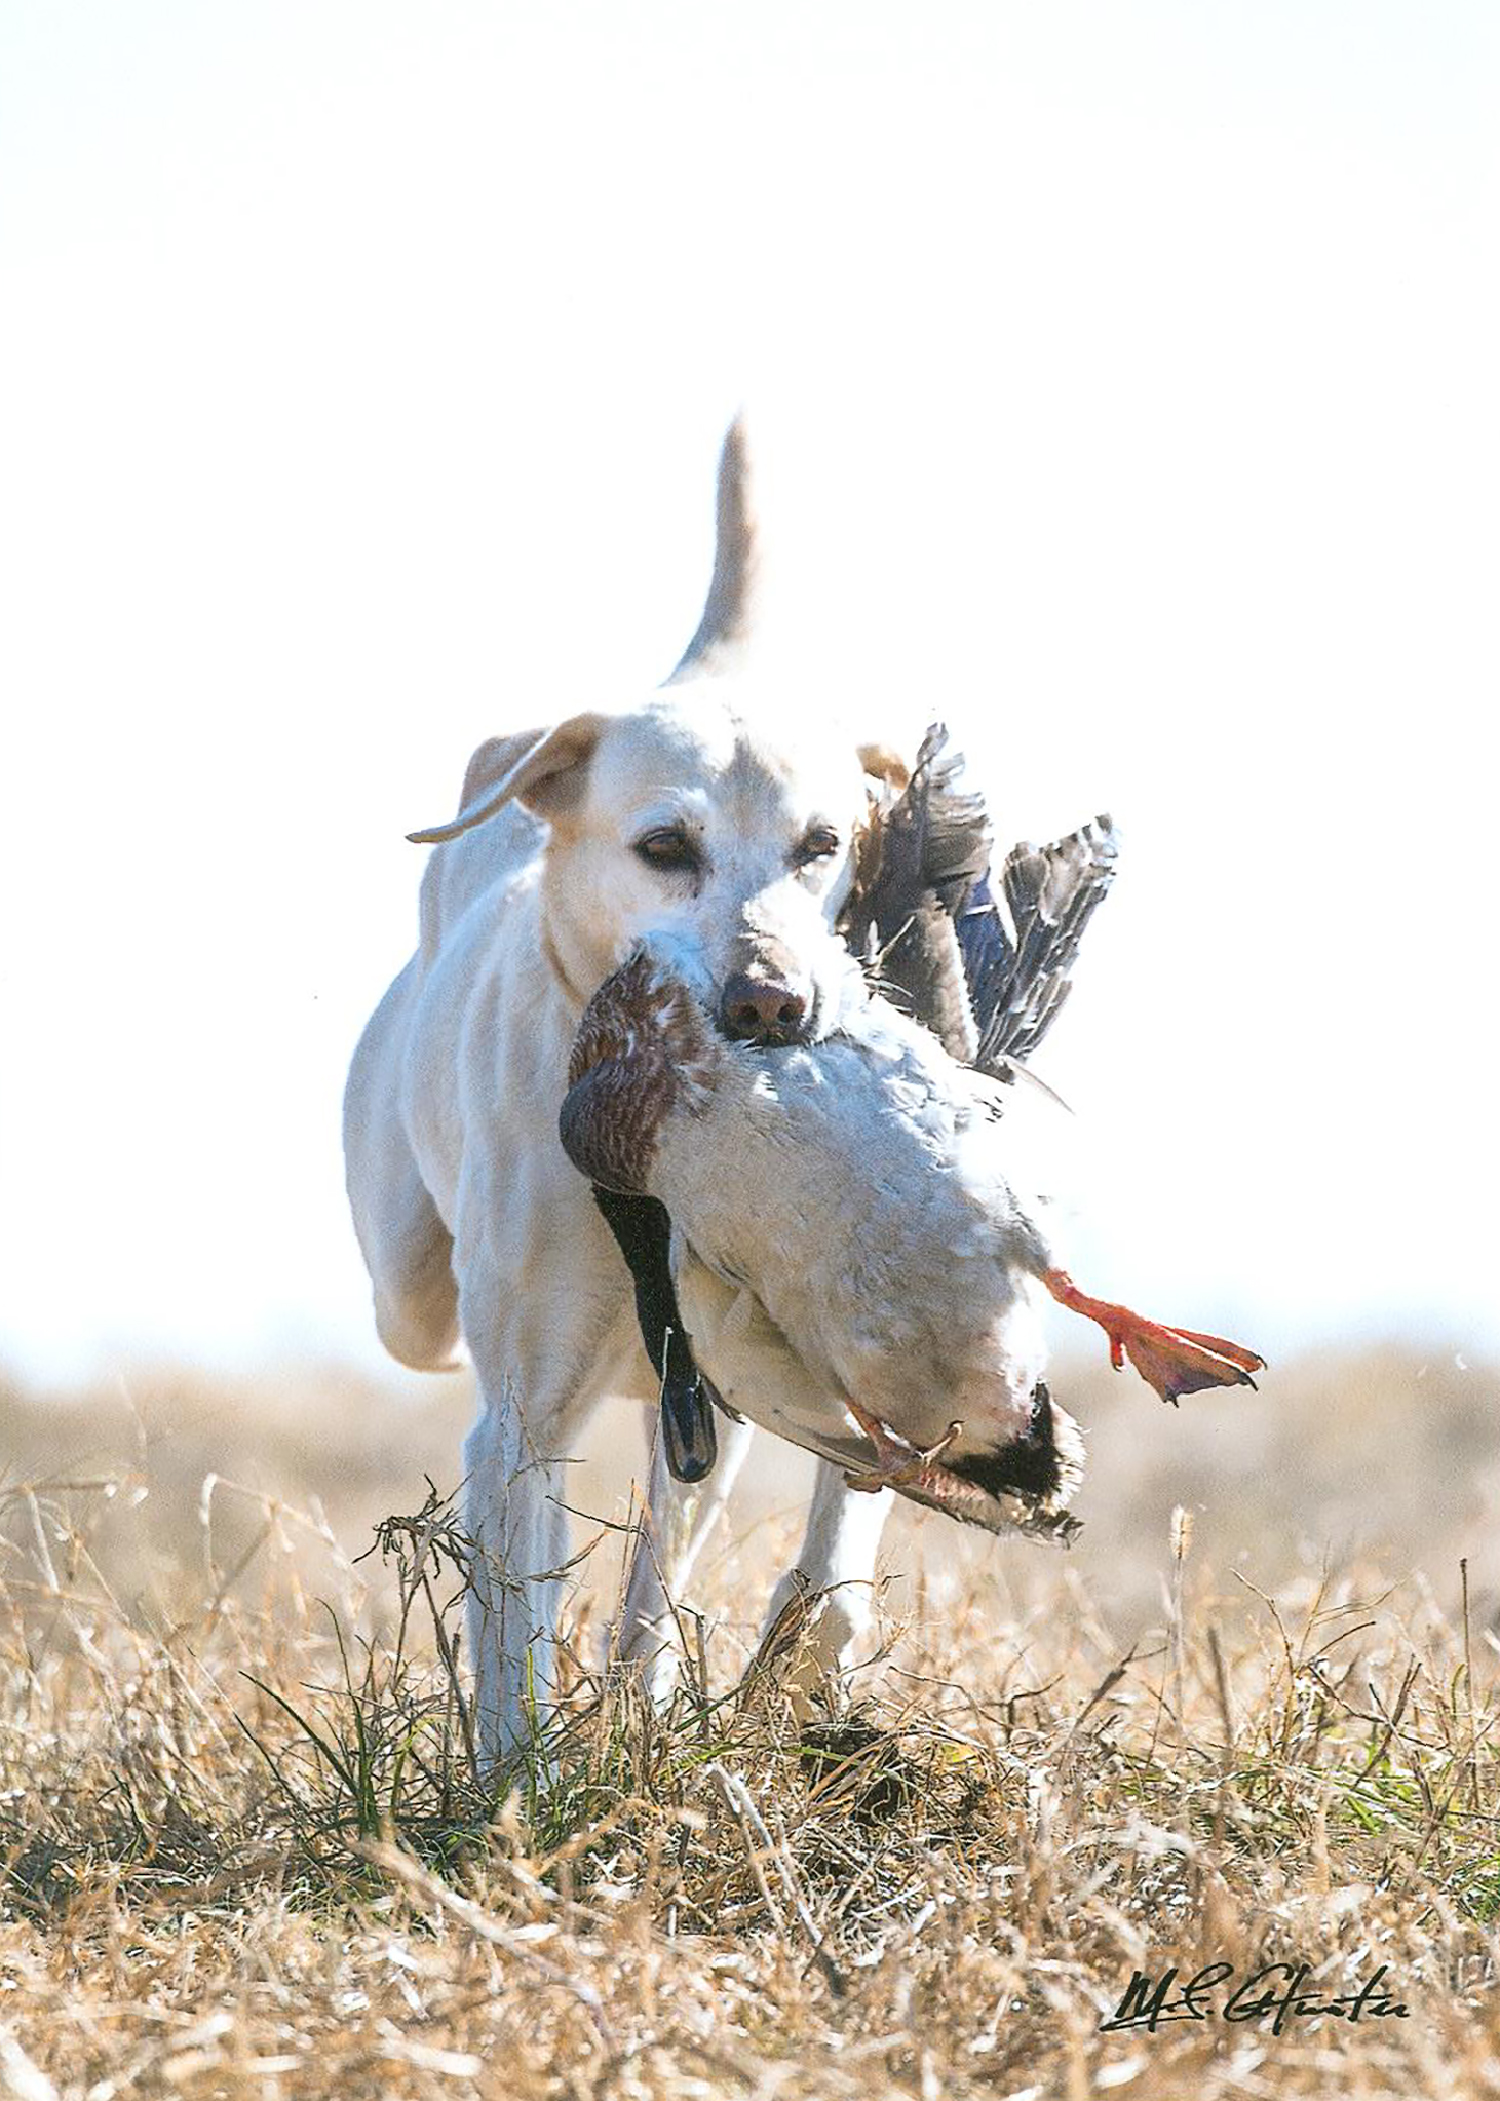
x,y
1249,1718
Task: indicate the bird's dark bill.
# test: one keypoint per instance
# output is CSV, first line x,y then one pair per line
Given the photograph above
x,y
687,1426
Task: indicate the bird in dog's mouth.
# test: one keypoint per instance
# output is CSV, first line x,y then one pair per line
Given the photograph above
x,y
828,1237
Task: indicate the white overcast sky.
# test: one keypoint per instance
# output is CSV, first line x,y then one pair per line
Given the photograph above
x,y
1125,378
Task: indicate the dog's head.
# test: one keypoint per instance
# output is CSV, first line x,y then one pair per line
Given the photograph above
x,y
725,815
705,814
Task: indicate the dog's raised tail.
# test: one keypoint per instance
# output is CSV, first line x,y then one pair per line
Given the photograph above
x,y
728,611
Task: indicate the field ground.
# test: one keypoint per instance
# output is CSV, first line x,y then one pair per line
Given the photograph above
x,y
245,1854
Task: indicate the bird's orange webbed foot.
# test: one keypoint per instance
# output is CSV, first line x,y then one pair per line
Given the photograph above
x,y
1172,1360
897,1463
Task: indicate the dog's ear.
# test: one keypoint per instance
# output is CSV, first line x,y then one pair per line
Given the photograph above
x,y
886,764
542,769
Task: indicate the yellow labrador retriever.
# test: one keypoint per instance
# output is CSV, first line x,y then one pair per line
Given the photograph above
x,y
712,809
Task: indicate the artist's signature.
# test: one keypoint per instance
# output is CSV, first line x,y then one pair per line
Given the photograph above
x,y
1279,1992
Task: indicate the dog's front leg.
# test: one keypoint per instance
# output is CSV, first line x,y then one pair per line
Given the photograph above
x,y
538,1342
835,1571
519,1535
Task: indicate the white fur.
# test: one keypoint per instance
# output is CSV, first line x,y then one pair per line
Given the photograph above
x,y
473,1222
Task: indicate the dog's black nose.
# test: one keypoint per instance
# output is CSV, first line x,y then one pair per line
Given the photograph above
x,y
761,1010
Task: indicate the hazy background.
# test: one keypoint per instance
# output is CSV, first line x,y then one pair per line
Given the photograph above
x,y
1125,380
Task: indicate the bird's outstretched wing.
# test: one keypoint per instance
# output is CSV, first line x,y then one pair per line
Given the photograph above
x,y
986,974
1019,958
918,866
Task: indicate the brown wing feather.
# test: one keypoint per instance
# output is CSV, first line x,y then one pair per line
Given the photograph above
x,y
918,860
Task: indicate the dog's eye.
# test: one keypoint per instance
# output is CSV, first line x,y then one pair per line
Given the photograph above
x,y
819,844
671,850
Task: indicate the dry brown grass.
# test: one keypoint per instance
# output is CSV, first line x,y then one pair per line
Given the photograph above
x,y
245,1852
